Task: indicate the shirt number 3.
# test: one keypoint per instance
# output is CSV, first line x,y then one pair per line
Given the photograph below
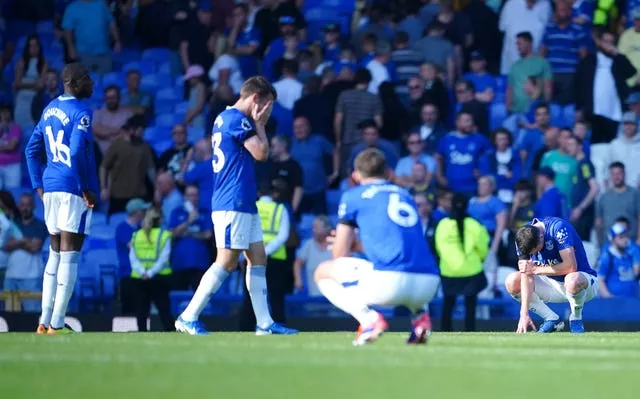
x,y
218,156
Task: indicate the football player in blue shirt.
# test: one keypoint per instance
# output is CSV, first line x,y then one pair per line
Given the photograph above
x,y
553,267
400,270
238,139
67,183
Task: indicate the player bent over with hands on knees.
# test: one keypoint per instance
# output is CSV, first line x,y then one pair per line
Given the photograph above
x,y
400,269
553,267
67,183
238,139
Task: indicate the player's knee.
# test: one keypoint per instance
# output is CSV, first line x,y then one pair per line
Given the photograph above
x,y
512,283
323,271
574,283
227,259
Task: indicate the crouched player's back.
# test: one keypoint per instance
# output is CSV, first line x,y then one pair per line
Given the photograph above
x,y
63,135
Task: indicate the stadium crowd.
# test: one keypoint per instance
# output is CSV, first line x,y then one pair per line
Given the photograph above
x,y
528,107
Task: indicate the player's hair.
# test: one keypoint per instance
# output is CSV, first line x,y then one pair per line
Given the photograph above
x,y
151,219
257,85
527,238
617,164
459,206
72,74
371,163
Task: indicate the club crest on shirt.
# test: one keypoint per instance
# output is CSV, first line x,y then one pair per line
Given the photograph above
x,y
548,245
562,235
84,123
246,125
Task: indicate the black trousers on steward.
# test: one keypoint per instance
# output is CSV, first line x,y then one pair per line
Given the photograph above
x,y
155,290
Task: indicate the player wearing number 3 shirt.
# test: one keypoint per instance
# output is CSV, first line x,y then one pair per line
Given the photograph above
x,y
63,171
400,270
238,139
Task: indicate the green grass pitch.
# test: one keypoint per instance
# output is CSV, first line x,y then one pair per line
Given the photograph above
x,y
319,365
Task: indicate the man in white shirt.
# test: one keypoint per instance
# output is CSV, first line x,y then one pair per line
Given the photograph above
x,y
289,89
626,149
521,16
378,66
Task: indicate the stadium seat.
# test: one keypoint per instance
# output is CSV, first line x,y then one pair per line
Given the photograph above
x,y
334,220
182,107
556,115
166,100
154,82
125,57
165,69
98,218
284,117
305,226
592,251
114,78
157,56
154,134
333,200
569,115
93,259
169,120
194,133
144,67
497,115
162,146
117,218
93,243
44,27
103,231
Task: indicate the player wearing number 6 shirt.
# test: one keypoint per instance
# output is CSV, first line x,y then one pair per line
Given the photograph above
x,y
238,139
553,267
400,269
67,182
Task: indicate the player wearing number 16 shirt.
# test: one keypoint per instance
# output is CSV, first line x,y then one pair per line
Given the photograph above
x,y
63,171
238,139
400,270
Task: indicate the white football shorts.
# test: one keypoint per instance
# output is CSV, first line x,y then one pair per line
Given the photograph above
x,y
550,290
236,230
385,288
66,212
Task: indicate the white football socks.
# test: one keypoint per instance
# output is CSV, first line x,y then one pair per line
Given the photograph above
x,y
49,283
341,298
576,303
538,307
209,285
256,280
67,272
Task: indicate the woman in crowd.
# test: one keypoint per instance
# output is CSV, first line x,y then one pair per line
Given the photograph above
x,y
29,78
196,95
10,140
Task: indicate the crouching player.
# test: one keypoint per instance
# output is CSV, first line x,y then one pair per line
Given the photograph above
x,y
553,267
400,271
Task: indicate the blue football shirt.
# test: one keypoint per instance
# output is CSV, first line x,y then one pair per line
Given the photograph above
x,y
615,267
63,135
559,234
462,154
390,228
234,184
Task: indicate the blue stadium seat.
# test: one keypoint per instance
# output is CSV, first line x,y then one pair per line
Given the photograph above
x,y
154,82
334,220
96,78
166,100
497,115
284,117
169,120
195,133
125,57
39,210
156,55
162,146
98,218
144,67
103,231
117,218
93,243
569,115
333,200
165,69
44,27
113,78
154,134
305,226
556,115
182,108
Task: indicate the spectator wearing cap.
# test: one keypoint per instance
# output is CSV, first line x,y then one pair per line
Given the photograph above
x,y
564,44
563,164
584,192
620,200
243,41
371,139
483,82
411,23
603,76
435,48
292,52
633,101
551,202
331,42
278,18
288,88
191,230
138,101
378,67
196,95
467,101
312,152
10,152
628,45
196,39
406,61
87,24
355,106
376,26
126,167
136,209
626,148
619,265
278,47
109,120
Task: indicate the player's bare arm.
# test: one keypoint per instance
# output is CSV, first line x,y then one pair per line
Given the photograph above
x,y
343,241
526,289
568,265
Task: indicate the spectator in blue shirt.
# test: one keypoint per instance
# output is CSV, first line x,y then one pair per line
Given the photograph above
x,y
564,44
371,139
551,202
458,156
582,14
503,163
167,196
197,172
244,40
331,42
87,24
136,209
619,265
483,82
277,47
415,148
191,230
312,152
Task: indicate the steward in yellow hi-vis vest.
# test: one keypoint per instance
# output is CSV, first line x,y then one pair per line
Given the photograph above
x,y
274,219
150,270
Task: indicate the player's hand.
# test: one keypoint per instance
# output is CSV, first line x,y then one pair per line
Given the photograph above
x,y
40,192
261,114
576,213
104,194
90,199
526,266
524,323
